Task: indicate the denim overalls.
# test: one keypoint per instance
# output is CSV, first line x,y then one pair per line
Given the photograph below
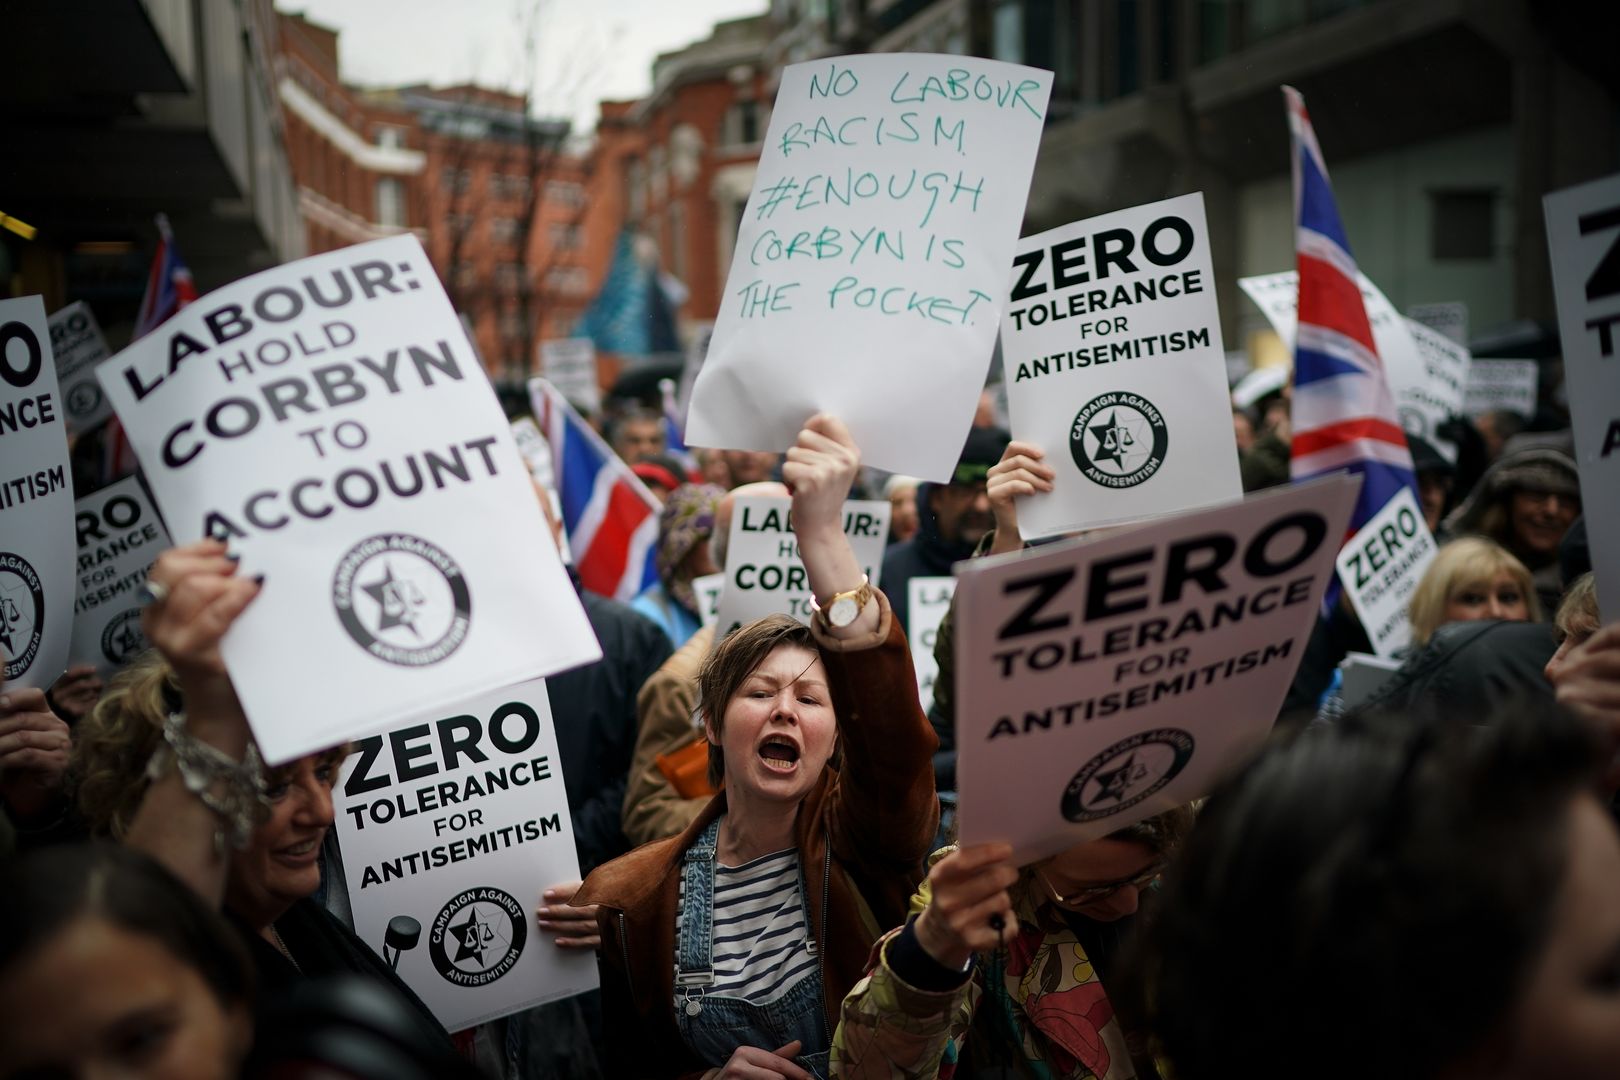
x,y
714,1025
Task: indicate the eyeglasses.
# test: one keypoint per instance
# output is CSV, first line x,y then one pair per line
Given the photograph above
x,y
1089,894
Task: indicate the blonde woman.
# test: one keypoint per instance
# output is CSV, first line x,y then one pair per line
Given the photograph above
x,y
1471,578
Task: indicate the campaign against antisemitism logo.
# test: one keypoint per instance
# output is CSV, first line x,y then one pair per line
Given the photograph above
x,y
1126,773
478,937
22,613
122,639
84,399
402,599
1118,439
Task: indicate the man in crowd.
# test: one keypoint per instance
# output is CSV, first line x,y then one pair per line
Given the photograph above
x,y
952,519
638,435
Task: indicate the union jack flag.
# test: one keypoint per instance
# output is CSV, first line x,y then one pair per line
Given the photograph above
x,y
168,289
1344,416
611,517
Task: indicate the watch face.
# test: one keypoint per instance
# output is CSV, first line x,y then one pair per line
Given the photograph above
x,y
843,611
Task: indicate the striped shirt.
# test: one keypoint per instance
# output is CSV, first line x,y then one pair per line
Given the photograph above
x,y
762,943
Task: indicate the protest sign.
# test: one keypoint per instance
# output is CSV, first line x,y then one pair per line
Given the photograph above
x,y
36,502
1364,674
1583,233
1114,364
120,537
450,829
764,575
1380,567
1449,318
570,365
76,339
1427,372
1502,384
1101,682
928,599
870,267
708,589
535,450
326,419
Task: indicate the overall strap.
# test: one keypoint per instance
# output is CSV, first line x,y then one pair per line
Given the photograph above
x,y
694,944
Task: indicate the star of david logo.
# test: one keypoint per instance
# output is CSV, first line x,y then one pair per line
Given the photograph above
x,y
471,937
15,624
398,601
1115,783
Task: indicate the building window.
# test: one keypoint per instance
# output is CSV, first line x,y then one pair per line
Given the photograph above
x,y
390,136
635,182
1007,31
456,181
508,276
565,236
1463,223
741,124
465,275
503,230
567,280
390,202
565,193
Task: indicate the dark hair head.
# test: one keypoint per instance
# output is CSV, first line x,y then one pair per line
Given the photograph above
x,y
730,664
1375,892
46,891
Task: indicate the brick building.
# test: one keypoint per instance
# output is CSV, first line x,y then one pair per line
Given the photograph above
x,y
496,196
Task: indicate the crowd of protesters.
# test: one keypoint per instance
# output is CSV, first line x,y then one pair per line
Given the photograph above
x,y
1416,883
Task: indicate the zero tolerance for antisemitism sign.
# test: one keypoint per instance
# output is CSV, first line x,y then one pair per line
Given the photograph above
x,y
1583,235
76,339
120,537
1111,349
327,418
764,574
1103,682
1381,566
870,266
450,828
36,502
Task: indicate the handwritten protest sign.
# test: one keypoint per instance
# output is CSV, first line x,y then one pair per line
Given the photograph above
x,y
1502,384
570,365
120,537
36,502
450,829
928,599
1583,233
764,575
1102,682
1380,567
76,339
708,589
1427,371
871,264
1449,318
1115,368
327,419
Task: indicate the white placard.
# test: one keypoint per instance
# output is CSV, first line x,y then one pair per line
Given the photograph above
x,y
1449,318
1111,344
1423,374
764,575
927,601
328,419
1380,567
570,365
1583,233
1103,682
36,502
457,824
79,346
120,537
871,264
708,589
1502,384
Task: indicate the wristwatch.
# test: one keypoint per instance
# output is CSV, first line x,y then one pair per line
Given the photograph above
x,y
842,608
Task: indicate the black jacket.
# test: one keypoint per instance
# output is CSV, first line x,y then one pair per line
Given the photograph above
x,y
928,554
594,708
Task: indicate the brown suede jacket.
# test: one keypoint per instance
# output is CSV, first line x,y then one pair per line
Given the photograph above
x,y
863,837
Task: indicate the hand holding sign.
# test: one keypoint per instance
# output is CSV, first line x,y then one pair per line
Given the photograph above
x,y
75,693
34,749
819,470
969,888
201,598
574,927
1021,472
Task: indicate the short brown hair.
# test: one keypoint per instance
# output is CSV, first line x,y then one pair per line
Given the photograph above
x,y
728,667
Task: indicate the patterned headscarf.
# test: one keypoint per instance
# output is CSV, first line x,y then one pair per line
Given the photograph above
x,y
686,521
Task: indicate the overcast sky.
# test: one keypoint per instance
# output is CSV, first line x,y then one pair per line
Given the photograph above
x,y
587,49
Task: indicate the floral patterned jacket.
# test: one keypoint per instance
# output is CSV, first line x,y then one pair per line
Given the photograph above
x,y
1044,998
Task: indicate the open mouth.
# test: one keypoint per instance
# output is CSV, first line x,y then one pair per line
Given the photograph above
x,y
779,753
